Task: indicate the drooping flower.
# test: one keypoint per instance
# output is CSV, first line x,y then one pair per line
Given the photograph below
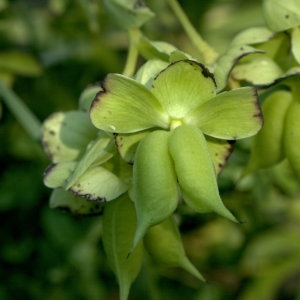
x,y
183,102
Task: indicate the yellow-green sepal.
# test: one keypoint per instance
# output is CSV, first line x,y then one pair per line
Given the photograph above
x,y
195,171
267,146
155,190
77,206
163,243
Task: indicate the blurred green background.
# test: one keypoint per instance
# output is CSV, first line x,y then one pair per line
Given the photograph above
x,y
50,50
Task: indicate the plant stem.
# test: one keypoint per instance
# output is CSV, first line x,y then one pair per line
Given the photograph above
x,y
208,53
27,119
134,34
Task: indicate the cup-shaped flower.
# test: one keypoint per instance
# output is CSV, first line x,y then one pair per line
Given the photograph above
x,y
183,95
278,60
82,163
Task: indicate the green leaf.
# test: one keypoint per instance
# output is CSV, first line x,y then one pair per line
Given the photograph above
x,y
66,134
78,206
99,184
230,115
119,225
296,43
98,152
126,106
183,86
20,63
281,15
259,71
128,13
57,174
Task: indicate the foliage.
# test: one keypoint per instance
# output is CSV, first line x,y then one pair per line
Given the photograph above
x,y
153,163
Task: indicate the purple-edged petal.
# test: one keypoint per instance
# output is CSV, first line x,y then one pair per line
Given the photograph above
x,y
230,115
126,106
183,86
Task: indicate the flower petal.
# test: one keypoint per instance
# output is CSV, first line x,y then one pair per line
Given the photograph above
x,y
99,184
128,14
230,115
98,152
281,15
296,43
65,135
126,106
259,71
56,174
219,151
227,61
127,144
78,206
183,86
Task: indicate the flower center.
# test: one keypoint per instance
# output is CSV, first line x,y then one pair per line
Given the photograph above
x,y
175,123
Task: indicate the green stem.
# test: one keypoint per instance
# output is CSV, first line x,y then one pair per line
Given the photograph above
x,y
208,53
132,56
27,119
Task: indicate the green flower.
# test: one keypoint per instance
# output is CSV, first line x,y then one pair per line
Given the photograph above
x,y
82,166
183,93
176,130
279,45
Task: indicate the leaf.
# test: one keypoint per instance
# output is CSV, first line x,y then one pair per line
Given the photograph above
x,y
66,134
183,86
57,174
281,15
20,63
78,206
99,184
119,225
226,63
128,13
126,106
230,115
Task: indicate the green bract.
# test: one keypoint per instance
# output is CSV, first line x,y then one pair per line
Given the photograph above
x,y
171,127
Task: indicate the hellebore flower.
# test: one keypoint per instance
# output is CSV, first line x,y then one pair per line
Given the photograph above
x,y
81,168
181,126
